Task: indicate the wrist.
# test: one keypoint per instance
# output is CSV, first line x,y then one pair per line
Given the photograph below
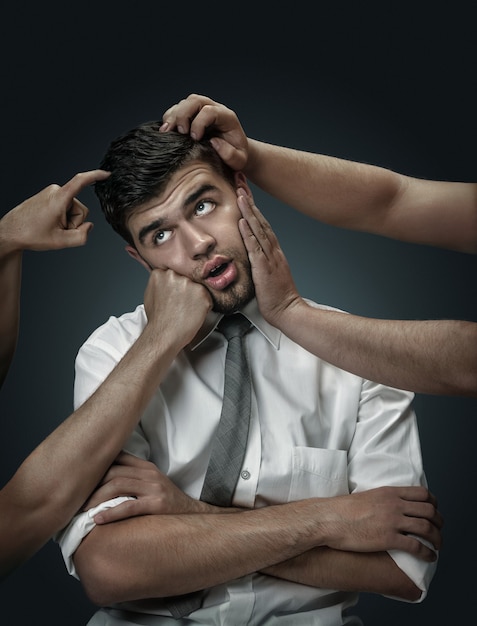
x,y
8,244
253,158
289,314
156,344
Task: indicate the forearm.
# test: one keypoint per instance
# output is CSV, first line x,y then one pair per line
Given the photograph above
x,y
426,356
368,198
10,288
163,555
160,555
336,191
55,480
373,572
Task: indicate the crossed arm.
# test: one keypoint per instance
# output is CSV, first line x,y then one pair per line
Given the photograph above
x,y
171,544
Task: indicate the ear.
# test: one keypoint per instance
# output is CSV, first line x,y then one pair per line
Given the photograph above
x,y
241,181
133,253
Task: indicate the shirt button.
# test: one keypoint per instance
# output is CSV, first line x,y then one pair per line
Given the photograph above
x,y
245,474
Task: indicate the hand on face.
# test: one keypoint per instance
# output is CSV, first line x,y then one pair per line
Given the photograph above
x,y
173,301
197,114
274,286
53,218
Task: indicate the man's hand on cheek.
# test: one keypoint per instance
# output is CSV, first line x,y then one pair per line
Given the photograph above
x,y
175,302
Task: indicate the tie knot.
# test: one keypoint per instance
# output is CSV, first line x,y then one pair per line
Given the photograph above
x,y
233,326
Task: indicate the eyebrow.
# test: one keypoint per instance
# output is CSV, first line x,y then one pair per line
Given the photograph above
x,y
155,225
161,221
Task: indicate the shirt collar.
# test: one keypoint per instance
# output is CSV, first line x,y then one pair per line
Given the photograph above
x,y
252,313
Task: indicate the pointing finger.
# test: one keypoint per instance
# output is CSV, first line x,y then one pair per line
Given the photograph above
x,y
82,180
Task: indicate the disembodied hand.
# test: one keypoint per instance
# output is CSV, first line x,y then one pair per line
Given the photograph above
x,y
197,115
274,286
51,219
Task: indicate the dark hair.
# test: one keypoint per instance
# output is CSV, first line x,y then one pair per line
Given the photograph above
x,y
141,162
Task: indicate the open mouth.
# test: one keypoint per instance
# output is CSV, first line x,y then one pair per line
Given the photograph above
x,y
216,271
221,275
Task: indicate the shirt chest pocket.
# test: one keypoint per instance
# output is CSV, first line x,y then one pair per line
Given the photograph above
x,y
318,473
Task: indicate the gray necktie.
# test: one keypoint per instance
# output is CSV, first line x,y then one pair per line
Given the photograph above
x,y
230,440
228,448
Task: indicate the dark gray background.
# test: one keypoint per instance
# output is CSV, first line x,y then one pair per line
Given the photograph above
x,y
390,83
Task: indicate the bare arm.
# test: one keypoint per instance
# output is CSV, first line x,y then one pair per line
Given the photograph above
x,y
373,572
424,356
368,198
155,494
54,481
437,357
50,220
10,287
169,554
342,193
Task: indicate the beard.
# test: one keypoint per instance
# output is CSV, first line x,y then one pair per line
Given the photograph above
x,y
236,295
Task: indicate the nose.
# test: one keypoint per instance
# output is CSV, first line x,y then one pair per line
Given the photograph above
x,y
197,241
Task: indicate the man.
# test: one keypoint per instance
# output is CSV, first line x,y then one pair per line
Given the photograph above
x,y
59,475
331,497
436,357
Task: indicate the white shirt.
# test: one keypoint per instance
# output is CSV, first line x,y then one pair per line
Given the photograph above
x,y
315,431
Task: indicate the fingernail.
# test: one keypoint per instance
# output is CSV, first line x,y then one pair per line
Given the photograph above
x,y
164,127
181,129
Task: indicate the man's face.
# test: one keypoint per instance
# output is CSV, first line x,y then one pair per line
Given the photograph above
x,y
192,229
